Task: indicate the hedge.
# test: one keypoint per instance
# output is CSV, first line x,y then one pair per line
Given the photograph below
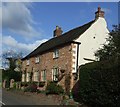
x,y
54,88
100,84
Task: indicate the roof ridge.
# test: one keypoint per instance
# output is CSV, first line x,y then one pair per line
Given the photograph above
x,y
67,37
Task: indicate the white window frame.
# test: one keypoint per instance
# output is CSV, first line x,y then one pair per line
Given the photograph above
x,y
56,53
55,74
36,76
23,77
27,62
28,77
43,75
37,59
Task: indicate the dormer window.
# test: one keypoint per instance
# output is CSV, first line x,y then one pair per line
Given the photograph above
x,y
28,62
56,53
37,59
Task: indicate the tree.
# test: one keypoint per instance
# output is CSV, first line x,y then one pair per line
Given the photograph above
x,y
11,58
111,51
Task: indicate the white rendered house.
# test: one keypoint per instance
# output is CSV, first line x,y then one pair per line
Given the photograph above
x,y
91,40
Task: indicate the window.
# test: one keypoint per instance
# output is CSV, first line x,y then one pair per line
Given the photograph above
x,y
43,75
28,62
36,76
37,59
28,77
56,53
55,74
23,77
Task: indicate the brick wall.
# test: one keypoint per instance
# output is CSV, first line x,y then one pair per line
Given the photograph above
x,y
64,61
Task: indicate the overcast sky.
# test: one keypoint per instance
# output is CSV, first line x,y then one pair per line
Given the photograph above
x,y
26,25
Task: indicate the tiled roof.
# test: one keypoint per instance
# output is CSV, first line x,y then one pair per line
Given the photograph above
x,y
65,38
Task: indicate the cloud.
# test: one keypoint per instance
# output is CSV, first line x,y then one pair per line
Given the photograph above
x,y
17,18
9,43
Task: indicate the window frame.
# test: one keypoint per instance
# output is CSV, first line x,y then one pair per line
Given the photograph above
x,y
27,62
37,59
43,75
56,53
55,74
36,76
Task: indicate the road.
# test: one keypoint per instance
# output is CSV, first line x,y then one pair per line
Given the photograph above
x,y
20,98
10,98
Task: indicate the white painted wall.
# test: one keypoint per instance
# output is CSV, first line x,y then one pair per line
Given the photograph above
x,y
88,44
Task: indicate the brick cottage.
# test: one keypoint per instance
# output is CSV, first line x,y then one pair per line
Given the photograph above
x,y
59,58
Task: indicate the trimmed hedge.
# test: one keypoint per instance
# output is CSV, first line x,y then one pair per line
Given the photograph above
x,y
53,88
100,84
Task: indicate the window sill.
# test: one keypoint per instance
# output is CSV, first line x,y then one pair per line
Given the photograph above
x,y
55,57
36,62
55,80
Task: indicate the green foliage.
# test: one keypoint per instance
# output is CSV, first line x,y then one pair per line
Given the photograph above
x,y
100,84
0,75
99,81
32,87
14,85
25,84
53,88
9,74
41,84
112,49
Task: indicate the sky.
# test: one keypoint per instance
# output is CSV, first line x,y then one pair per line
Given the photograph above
x,y
25,25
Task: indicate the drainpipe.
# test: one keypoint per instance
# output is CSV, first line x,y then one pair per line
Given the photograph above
x,y
78,43
78,57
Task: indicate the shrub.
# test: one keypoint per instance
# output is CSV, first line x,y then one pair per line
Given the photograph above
x,y
53,88
14,85
41,84
32,87
25,84
100,84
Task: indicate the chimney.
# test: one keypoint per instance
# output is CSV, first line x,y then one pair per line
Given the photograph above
x,y
57,31
99,13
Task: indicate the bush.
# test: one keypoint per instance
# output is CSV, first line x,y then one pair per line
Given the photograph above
x,y
25,84
32,87
100,84
41,84
14,85
53,88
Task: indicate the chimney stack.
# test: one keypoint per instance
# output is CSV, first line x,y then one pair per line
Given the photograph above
x,y
57,31
99,13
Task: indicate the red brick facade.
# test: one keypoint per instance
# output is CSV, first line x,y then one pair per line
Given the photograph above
x,y
47,62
